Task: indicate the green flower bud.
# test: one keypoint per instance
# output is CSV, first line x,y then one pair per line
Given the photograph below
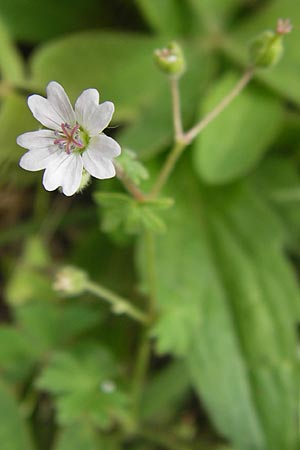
x,y
170,60
70,281
267,48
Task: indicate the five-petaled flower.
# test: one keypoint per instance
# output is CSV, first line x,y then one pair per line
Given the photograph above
x,y
73,141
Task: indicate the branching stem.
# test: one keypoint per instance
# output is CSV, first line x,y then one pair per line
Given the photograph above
x,y
182,140
237,89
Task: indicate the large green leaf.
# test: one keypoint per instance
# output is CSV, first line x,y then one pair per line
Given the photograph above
x,y
119,65
284,77
279,181
229,303
13,432
236,140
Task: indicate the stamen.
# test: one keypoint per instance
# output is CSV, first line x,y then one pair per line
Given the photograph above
x,y
69,138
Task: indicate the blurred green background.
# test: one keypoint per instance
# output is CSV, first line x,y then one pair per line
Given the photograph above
x,y
222,367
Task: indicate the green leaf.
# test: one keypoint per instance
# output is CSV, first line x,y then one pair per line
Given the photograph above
x,y
167,17
133,169
165,392
11,63
284,77
127,56
236,140
122,212
83,437
221,269
40,328
279,181
84,387
153,129
29,282
16,354
32,21
77,437
13,432
49,326
213,14
15,118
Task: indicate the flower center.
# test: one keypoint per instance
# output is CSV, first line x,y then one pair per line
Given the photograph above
x,y
69,139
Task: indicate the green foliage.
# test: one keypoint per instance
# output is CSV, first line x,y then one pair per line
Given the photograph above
x,y
220,275
152,130
35,21
30,277
121,212
15,118
133,168
13,432
168,17
84,386
213,14
278,180
135,79
284,78
219,283
83,437
77,438
239,137
165,392
11,64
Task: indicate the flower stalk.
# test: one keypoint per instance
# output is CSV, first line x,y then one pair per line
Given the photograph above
x,y
129,185
182,140
176,109
119,304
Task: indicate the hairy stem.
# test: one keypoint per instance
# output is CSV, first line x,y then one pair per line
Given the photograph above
x,y
176,108
129,184
120,305
241,84
167,168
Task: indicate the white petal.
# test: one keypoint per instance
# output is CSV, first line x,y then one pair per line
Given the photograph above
x,y
38,159
93,117
85,103
64,171
44,112
36,139
97,165
104,146
60,102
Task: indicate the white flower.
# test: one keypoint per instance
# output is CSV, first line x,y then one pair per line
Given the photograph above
x,y
73,140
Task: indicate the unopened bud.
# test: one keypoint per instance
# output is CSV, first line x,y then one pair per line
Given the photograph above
x,y
267,49
70,281
170,60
